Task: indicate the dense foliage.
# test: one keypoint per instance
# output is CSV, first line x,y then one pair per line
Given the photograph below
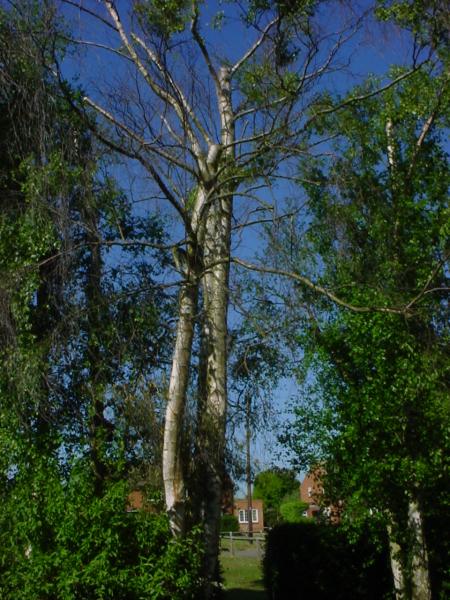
x,y
292,509
82,341
378,407
65,542
229,523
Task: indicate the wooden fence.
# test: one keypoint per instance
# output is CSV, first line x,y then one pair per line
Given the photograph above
x,y
234,539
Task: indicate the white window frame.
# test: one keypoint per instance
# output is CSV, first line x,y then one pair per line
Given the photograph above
x,y
243,515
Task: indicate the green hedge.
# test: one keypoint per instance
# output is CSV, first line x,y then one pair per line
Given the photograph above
x,y
311,560
229,523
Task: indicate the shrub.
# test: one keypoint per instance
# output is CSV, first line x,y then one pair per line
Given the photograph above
x,y
292,511
66,543
229,523
306,560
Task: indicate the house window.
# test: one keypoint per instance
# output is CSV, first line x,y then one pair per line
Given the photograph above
x,y
243,516
309,492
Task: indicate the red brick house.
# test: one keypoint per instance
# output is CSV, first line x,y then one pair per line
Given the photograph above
x,y
241,511
311,492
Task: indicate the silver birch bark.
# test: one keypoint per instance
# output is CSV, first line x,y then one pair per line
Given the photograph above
x,y
396,565
409,565
215,336
215,284
420,580
173,471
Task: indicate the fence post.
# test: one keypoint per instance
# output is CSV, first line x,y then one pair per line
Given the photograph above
x,y
231,543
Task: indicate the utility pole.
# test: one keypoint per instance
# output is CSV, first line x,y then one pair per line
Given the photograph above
x,y
248,406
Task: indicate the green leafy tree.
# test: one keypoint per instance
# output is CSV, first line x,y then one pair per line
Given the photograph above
x,y
272,486
428,19
292,508
379,412
69,380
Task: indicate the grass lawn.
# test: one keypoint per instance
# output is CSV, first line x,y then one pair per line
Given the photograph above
x,y
242,577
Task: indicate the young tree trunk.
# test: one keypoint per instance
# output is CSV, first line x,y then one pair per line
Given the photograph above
x,y
420,579
395,553
173,471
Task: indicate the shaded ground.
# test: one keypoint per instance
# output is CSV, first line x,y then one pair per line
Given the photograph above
x,y
242,576
245,595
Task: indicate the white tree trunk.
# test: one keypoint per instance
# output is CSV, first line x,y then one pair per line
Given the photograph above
x,y
420,579
410,564
396,566
173,472
215,293
217,242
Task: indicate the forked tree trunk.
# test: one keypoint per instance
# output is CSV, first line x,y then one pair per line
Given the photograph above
x,y
173,471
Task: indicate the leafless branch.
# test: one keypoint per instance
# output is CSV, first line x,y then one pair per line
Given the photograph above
x,y
320,289
178,102
262,221
201,44
157,89
90,12
255,46
96,45
134,136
